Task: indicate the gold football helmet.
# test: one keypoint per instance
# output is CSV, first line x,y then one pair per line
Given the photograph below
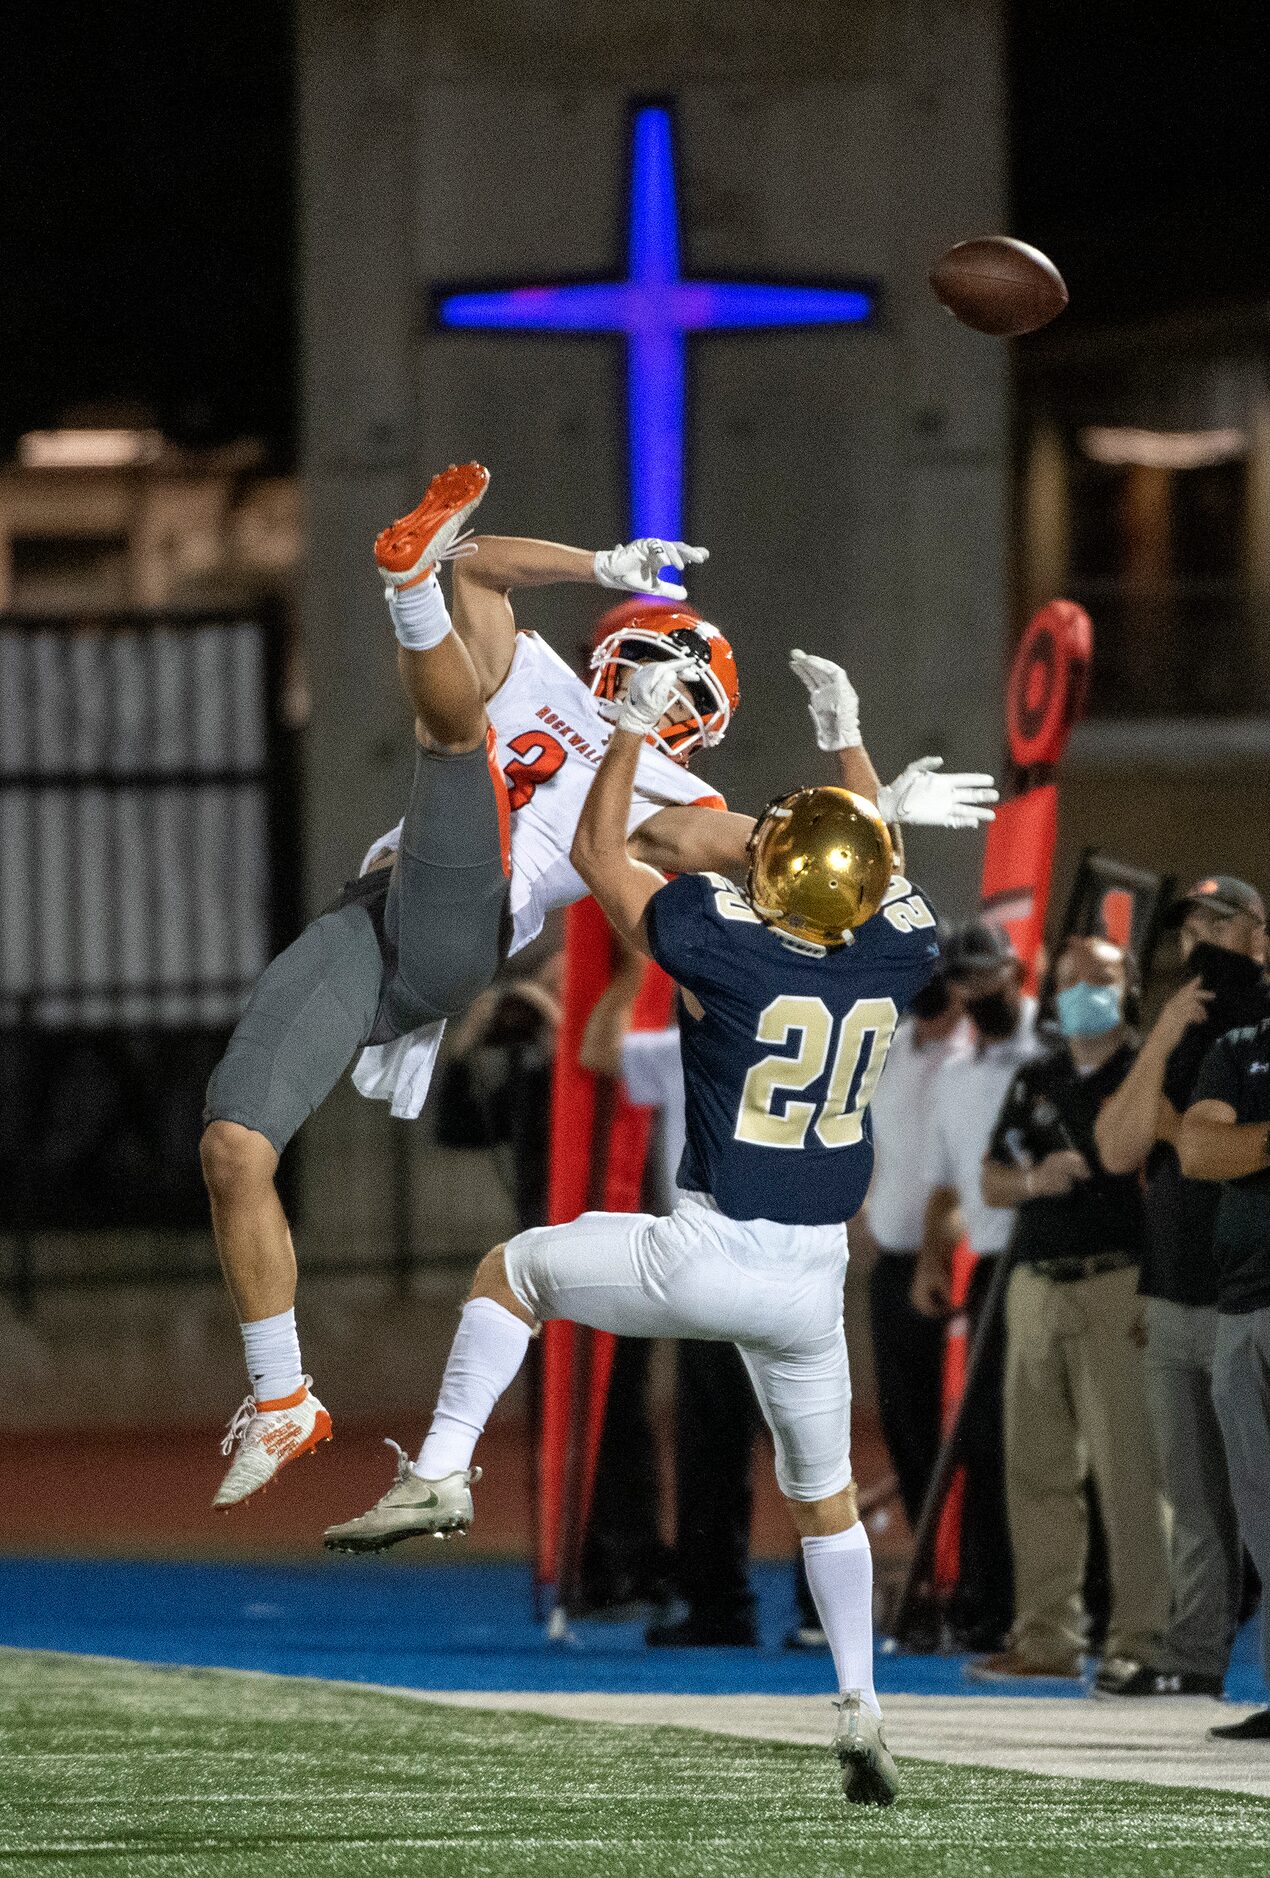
x,y
820,863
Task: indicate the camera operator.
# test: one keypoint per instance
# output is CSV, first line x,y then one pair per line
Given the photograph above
x,y
494,1092
1074,1395
1222,939
717,1418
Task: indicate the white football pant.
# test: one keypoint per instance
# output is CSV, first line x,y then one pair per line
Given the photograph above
x,y
774,1291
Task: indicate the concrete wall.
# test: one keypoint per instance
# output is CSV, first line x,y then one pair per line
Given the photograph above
x,y
849,484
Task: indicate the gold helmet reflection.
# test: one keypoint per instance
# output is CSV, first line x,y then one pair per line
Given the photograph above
x,y
820,863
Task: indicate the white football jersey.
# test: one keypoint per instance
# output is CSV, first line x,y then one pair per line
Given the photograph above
x,y
550,741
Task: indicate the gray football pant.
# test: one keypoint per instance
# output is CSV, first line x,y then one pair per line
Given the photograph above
x,y
1241,1395
1205,1559
348,980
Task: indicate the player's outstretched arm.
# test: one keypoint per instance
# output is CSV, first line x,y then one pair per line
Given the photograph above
x,y
686,839
834,705
623,885
920,796
503,562
495,565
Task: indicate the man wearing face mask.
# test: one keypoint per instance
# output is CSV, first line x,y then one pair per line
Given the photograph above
x,y
986,977
1074,1397
1222,939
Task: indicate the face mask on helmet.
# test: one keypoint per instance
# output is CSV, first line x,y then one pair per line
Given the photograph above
x,y
820,865
710,697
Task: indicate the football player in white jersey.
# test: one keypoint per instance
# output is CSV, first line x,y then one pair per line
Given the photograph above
x,y
508,742
481,857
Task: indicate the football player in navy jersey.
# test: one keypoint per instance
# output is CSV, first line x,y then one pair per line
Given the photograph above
x,y
792,990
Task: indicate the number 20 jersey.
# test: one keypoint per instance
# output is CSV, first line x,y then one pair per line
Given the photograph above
x,y
779,1072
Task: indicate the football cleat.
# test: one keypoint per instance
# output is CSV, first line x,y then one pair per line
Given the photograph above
x,y
267,1436
412,1508
869,1775
408,550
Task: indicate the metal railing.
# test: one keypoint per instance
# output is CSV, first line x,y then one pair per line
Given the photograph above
x,y
149,867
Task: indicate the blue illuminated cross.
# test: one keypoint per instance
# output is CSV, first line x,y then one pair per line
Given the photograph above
x,y
655,308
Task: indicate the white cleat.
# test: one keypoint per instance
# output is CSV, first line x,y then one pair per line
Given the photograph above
x,y
267,1436
869,1775
411,1509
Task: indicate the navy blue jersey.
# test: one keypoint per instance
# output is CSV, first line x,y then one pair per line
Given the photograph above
x,y
779,1072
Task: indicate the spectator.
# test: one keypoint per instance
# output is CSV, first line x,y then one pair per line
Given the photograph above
x,y
1074,1395
987,976
908,1346
716,1414
1222,939
1225,1139
495,1090
495,1094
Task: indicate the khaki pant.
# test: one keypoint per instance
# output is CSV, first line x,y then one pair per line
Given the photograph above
x,y
1074,1402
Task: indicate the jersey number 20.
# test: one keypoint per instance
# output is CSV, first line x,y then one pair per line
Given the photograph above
x,y
868,1025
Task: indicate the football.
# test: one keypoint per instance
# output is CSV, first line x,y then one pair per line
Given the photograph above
x,y
999,286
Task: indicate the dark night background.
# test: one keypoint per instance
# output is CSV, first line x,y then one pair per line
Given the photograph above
x,y
147,230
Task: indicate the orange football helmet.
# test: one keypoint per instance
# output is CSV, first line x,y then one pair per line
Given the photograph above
x,y
643,630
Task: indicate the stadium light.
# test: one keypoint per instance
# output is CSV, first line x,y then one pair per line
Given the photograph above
x,y
88,449
1123,447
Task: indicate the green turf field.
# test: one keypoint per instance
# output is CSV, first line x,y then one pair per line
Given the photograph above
x,y
115,1768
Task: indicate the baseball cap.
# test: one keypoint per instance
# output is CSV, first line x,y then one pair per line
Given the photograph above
x,y
1223,893
978,946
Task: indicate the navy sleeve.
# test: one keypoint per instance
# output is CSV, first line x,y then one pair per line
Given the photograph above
x,y
1219,1079
675,921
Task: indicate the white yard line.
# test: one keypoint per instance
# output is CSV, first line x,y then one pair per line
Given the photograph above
x,y
1160,1740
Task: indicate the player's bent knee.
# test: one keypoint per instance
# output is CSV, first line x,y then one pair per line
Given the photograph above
x,y
235,1158
491,1281
837,1512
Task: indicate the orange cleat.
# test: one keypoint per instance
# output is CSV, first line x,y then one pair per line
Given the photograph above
x,y
267,1436
408,550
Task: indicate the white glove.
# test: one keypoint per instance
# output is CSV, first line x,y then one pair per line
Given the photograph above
x,y
633,567
833,701
920,797
654,687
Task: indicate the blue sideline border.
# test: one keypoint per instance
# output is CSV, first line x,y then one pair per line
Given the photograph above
x,y
433,1626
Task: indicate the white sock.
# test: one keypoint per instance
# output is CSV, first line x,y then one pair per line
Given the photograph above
x,y
840,1573
489,1347
419,615
272,1350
